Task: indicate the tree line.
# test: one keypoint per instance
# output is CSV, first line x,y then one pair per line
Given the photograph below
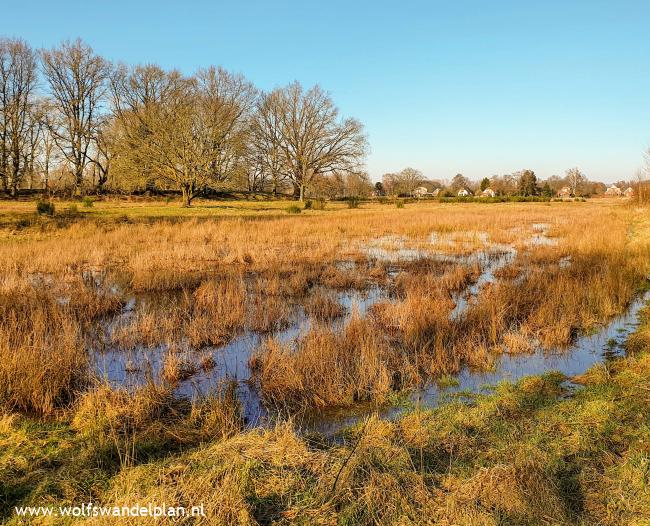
x,y
520,183
72,121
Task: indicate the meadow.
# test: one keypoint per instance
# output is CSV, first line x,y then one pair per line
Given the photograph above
x,y
280,367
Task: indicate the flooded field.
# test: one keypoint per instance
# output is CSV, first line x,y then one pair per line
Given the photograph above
x,y
195,371
471,363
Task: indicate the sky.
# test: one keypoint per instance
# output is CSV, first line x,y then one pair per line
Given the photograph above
x,y
472,87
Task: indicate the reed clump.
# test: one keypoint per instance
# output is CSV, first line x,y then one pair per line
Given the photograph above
x,y
331,368
322,305
43,334
129,427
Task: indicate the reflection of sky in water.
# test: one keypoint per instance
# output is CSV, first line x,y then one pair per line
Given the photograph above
x,y
131,368
587,351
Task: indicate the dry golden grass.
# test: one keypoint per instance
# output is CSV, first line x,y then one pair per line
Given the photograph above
x,y
43,342
202,281
331,368
533,453
127,424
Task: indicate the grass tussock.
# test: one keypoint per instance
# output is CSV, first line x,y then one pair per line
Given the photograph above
x,y
43,342
331,368
129,427
323,306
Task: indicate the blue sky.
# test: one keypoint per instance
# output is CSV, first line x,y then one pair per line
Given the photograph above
x,y
459,86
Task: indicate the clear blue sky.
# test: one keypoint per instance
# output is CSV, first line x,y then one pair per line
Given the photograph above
x,y
475,87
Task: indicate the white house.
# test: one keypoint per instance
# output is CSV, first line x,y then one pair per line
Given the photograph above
x,y
488,192
629,192
613,190
463,192
420,191
565,191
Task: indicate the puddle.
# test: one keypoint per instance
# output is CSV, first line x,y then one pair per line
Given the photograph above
x,y
489,262
393,249
540,236
131,368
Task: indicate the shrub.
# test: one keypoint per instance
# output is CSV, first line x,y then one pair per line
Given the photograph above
x,y
45,208
353,202
308,204
319,204
399,203
382,200
88,202
293,209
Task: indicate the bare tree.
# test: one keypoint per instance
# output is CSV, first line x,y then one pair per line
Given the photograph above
x,y
45,154
101,151
189,133
17,132
266,141
460,182
575,178
312,139
78,81
226,102
136,93
403,182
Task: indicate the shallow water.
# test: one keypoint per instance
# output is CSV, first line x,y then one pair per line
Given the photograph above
x,y
133,368
588,350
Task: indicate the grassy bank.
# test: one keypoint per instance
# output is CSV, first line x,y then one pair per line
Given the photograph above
x,y
538,452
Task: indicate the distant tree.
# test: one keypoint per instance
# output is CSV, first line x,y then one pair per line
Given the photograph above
x,y
312,138
485,183
556,183
575,178
77,78
459,182
527,185
504,185
379,188
403,182
409,179
547,191
358,184
18,128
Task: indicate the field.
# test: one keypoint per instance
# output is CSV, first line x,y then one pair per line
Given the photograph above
x,y
327,366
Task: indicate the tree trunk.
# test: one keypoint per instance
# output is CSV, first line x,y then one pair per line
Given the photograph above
x,y
78,179
187,196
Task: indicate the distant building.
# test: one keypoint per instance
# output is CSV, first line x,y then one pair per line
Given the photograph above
x,y
420,191
629,192
488,192
613,190
565,191
464,192
436,192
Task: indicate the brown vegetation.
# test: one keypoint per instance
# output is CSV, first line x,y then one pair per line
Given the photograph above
x,y
204,282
